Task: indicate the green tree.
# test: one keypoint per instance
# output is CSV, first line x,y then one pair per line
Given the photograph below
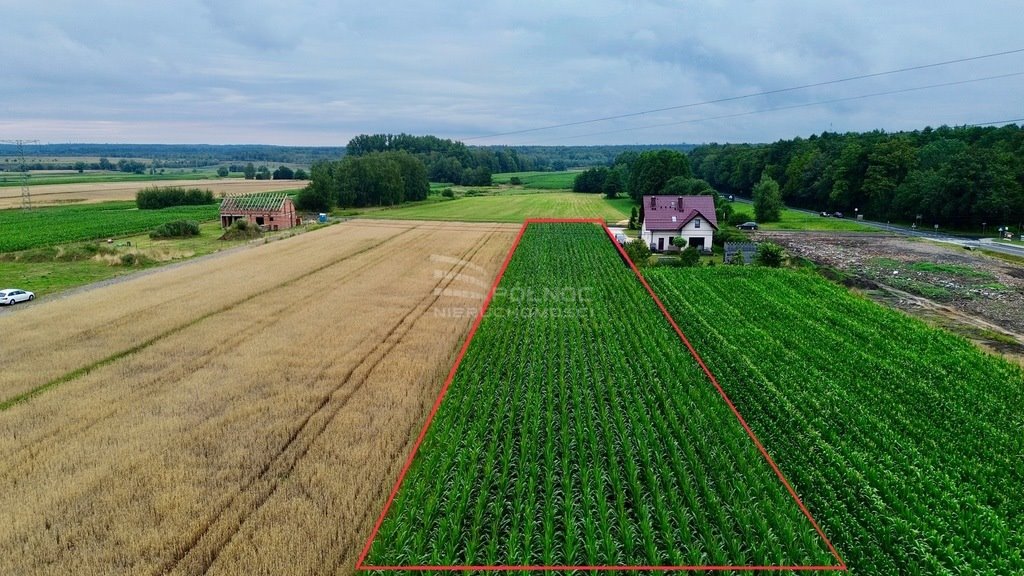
x,y
653,169
223,171
250,171
687,186
284,173
614,183
415,184
590,181
767,200
770,254
321,194
638,251
263,173
301,174
633,225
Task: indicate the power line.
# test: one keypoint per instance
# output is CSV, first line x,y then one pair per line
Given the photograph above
x,y
26,192
795,106
751,95
1011,121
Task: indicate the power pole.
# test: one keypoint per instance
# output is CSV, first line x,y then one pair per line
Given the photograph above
x,y
26,193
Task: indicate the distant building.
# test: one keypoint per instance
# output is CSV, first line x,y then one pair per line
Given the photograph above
x,y
271,211
669,217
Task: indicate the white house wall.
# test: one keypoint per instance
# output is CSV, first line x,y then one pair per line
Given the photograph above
x,y
689,231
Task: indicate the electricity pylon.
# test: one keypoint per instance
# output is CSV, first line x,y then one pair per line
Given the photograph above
x,y
26,192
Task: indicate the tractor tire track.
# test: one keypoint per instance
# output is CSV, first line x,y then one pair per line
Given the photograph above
x,y
30,449
202,551
82,371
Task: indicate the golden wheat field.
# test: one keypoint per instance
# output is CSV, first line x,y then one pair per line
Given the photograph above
x,y
242,414
10,196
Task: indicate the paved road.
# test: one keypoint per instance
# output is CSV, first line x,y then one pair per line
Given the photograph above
x,y
965,241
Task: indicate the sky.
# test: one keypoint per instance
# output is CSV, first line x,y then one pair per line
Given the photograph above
x,y
318,72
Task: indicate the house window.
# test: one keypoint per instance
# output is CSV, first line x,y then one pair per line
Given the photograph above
x,y
696,222
670,239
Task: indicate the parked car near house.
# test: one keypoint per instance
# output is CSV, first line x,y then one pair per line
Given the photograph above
x,y
837,214
748,226
11,296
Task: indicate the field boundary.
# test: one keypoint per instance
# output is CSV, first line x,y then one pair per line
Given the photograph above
x,y
360,563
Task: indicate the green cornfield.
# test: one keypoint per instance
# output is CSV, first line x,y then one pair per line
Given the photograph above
x,y
579,431
906,442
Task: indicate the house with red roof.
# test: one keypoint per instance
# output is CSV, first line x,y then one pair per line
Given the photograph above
x,y
669,217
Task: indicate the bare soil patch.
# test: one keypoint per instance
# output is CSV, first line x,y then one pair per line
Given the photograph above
x,y
971,293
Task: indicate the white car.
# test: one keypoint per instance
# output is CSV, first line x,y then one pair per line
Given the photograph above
x,y
11,296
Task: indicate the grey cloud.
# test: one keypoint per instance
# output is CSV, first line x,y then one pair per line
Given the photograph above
x,y
321,71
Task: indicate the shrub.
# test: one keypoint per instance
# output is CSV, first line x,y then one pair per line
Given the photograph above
x,y
728,235
241,230
176,229
448,193
737,218
133,259
638,251
770,254
515,181
689,256
157,197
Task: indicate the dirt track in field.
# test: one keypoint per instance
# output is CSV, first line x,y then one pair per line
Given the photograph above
x,y
48,194
246,414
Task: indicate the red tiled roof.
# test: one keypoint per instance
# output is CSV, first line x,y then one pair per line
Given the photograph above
x,y
684,208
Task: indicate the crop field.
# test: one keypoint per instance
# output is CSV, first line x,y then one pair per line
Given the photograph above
x,y
578,431
24,229
905,442
540,180
512,208
241,414
89,192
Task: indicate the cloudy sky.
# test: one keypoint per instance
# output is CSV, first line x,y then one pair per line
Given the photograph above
x,y
317,72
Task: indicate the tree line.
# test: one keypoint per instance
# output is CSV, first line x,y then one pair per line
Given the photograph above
x,y
157,197
960,177
370,179
178,155
445,160
457,163
653,172
251,172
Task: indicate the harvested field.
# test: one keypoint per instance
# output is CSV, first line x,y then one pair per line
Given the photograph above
x,y
10,196
243,414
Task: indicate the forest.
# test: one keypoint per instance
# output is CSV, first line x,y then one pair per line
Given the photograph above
x,y
56,156
959,177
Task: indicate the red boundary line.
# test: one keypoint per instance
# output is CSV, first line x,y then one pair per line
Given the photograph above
x,y
693,352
